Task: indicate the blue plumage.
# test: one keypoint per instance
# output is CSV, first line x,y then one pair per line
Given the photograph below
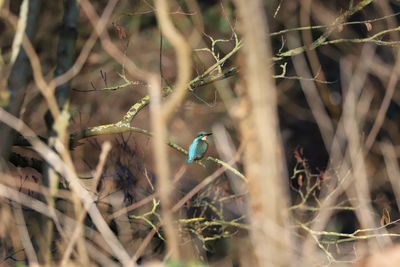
x,y
198,147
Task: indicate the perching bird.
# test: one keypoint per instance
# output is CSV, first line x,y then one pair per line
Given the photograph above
x,y
198,147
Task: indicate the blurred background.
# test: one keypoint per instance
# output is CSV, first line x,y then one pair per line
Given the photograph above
x,y
335,67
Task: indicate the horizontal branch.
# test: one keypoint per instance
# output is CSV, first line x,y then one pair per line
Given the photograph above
x,y
322,39
120,127
317,27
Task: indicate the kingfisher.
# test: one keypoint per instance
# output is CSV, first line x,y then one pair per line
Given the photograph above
x,y
198,147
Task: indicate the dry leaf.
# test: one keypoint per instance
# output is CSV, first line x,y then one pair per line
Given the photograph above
x,y
121,31
199,230
385,218
298,153
368,26
300,180
226,186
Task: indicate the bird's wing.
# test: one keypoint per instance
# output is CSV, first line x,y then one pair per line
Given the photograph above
x,y
202,147
192,150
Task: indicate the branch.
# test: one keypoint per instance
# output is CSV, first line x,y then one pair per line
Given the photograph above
x,y
322,39
61,167
119,127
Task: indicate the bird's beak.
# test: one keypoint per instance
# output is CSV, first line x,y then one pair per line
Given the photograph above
x,y
205,136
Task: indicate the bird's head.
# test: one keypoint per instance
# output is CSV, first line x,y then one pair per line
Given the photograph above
x,y
203,135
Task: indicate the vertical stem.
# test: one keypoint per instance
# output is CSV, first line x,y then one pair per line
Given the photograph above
x,y
263,155
21,74
58,129
161,114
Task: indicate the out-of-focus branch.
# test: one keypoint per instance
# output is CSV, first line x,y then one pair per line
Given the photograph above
x,y
160,115
57,129
61,167
108,45
305,19
84,54
263,154
57,216
314,100
380,117
322,39
31,57
392,169
20,75
143,102
317,27
19,33
206,181
24,235
106,147
356,153
372,39
66,49
339,159
120,127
